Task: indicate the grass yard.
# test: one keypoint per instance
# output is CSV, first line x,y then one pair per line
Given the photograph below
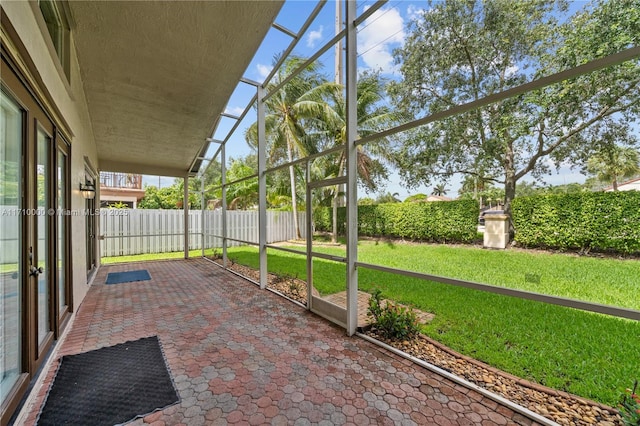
x,y
587,354
8,267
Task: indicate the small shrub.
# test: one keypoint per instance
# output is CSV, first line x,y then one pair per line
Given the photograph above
x,y
283,278
630,407
391,320
294,288
294,285
289,282
375,307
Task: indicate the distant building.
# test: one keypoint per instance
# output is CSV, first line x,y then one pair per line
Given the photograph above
x,y
437,198
125,188
630,185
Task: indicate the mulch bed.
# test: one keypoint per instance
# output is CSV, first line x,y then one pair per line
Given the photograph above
x,y
561,407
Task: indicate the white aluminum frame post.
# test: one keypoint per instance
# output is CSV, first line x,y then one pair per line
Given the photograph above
x,y
352,174
185,207
262,188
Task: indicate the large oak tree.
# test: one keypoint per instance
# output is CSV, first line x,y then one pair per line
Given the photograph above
x,y
462,51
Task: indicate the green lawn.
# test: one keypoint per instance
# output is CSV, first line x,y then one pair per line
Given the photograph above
x,y
588,354
8,267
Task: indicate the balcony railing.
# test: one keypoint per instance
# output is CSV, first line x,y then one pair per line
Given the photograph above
x,y
120,180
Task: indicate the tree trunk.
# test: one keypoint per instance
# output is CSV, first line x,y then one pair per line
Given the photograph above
x,y
334,233
509,184
294,203
336,199
509,193
615,183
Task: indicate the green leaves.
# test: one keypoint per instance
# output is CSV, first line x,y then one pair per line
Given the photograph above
x,y
167,198
447,222
599,221
630,407
463,51
391,320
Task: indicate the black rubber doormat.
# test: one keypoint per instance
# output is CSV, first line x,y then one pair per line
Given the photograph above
x,y
110,385
128,276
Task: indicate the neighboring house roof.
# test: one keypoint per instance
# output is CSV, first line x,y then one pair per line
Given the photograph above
x,y
630,185
438,198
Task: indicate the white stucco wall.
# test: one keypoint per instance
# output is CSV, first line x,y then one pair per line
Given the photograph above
x,y
633,185
70,101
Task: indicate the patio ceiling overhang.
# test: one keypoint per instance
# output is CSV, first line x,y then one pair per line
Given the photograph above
x,y
157,74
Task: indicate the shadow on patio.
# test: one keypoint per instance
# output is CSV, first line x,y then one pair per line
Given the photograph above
x,y
241,355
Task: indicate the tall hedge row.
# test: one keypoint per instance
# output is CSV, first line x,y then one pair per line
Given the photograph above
x,y
452,221
599,221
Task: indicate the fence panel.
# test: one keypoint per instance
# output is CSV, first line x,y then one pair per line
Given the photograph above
x,y
10,222
142,231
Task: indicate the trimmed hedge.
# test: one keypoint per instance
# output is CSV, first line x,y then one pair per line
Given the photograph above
x,y
451,221
598,221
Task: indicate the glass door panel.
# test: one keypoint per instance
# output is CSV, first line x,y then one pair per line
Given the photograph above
x,y
11,136
42,232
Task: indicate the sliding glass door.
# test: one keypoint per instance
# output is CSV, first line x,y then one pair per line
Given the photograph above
x,y
35,287
11,295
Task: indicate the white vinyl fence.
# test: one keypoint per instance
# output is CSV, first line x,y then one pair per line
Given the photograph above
x,y
10,223
9,242
139,231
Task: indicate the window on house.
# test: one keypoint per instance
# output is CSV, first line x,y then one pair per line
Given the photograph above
x,y
58,27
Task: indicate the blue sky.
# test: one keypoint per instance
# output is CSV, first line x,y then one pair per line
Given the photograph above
x,y
381,33
378,36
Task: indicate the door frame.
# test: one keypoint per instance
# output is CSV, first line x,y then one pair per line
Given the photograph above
x,y
318,305
62,317
34,116
37,350
91,221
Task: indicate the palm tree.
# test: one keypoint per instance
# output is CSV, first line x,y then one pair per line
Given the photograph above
x,y
614,163
387,198
439,190
291,115
373,117
244,194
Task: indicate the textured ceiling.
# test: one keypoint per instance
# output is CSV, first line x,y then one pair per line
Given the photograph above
x,y
156,74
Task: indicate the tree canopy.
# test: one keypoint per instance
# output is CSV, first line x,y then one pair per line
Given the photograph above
x,y
463,51
171,197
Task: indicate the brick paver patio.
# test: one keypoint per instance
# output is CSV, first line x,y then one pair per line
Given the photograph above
x,y
241,355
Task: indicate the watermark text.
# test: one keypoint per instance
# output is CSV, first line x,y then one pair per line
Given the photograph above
x,y
64,212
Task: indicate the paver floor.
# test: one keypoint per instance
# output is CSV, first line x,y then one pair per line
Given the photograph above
x,y
241,355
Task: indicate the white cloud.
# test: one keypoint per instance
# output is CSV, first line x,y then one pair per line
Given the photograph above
x,y
511,70
314,36
381,33
414,13
234,110
264,70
